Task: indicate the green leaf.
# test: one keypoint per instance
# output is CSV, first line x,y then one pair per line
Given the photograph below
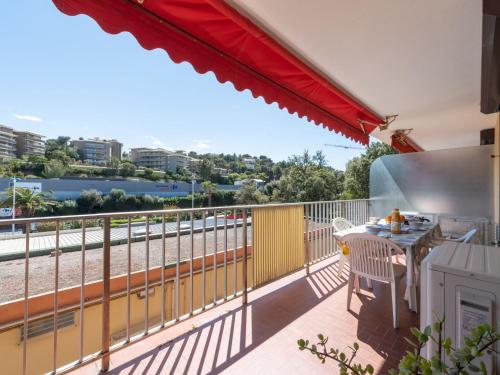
x,y
415,332
474,368
427,331
483,369
410,342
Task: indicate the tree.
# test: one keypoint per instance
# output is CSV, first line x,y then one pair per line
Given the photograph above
x,y
206,169
114,200
27,200
53,169
13,168
127,169
60,149
89,200
249,194
114,163
150,174
209,188
357,174
306,178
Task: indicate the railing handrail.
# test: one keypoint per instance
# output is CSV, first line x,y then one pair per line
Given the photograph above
x,y
266,229
172,211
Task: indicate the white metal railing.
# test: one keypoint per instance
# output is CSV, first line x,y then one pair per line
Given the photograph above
x,y
235,221
320,242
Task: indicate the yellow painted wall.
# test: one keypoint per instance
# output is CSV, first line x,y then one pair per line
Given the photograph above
x,y
278,241
40,348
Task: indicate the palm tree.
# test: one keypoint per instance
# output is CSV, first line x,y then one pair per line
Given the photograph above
x,y
27,200
209,188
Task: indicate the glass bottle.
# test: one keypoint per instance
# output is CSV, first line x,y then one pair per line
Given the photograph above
x,y
396,222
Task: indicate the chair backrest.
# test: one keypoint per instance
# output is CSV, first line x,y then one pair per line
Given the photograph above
x,y
371,256
339,224
467,237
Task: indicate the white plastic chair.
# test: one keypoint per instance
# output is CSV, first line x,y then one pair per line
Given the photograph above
x,y
466,238
340,224
371,257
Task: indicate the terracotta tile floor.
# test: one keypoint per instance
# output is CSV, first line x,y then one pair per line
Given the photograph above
x,y
261,337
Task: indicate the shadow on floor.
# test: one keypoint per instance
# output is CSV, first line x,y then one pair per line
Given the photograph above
x,y
217,344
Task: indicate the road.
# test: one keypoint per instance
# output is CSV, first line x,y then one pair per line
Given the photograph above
x,y
42,268
71,240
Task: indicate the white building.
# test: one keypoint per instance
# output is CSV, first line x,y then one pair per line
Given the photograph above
x,y
156,158
249,163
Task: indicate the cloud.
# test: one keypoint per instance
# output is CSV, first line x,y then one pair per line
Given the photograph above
x,y
202,144
27,117
155,141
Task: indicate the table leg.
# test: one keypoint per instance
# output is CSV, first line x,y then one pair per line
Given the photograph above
x,y
411,287
412,298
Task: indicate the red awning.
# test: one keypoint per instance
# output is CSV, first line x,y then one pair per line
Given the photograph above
x,y
212,36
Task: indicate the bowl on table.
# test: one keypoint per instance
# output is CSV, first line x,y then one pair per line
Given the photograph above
x,y
416,225
372,229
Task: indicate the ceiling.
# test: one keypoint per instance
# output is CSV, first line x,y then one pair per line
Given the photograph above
x,y
418,59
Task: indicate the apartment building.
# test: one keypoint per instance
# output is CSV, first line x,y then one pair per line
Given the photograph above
x,y
98,151
159,158
156,158
179,160
116,148
28,144
7,143
93,151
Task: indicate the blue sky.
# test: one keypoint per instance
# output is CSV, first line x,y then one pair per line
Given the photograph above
x,y
63,75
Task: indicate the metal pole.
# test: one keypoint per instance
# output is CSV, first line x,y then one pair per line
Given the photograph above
x,y
129,272
191,256
106,266
14,204
163,230
215,257
225,255
245,276
56,300
177,267
26,296
82,290
146,281
203,264
193,181
306,207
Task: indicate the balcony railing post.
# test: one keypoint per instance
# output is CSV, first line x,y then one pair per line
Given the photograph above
x,y
26,296
245,273
306,208
106,270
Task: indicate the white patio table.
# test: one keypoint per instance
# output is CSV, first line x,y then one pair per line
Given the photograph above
x,y
411,243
